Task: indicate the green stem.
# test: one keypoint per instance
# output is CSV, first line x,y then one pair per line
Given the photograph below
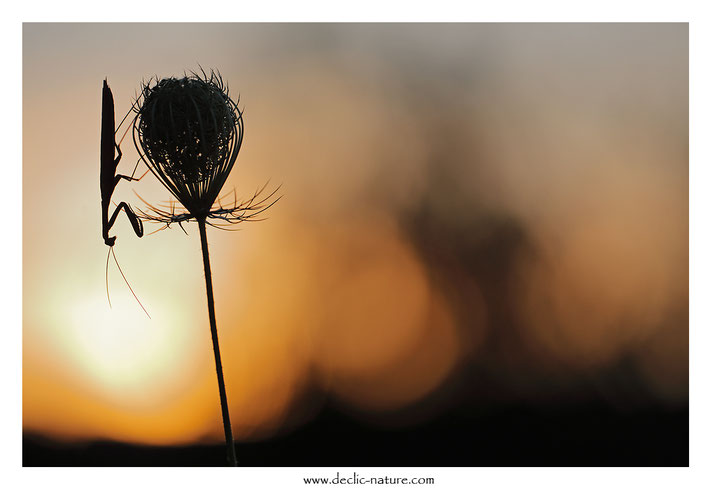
x,y
231,457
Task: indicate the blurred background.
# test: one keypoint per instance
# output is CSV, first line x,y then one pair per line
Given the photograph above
x,y
480,256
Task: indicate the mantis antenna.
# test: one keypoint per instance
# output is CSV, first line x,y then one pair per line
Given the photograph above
x,y
113,254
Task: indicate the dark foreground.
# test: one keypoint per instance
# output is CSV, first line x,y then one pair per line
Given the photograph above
x,y
588,435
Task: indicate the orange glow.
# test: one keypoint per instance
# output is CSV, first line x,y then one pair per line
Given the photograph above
x,y
614,279
410,376
375,298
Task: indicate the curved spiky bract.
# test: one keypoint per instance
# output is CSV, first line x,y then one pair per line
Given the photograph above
x,y
189,131
236,212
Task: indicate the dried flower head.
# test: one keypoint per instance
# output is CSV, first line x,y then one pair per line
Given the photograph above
x,y
189,131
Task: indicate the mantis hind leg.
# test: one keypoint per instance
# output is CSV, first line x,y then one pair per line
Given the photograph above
x,y
135,222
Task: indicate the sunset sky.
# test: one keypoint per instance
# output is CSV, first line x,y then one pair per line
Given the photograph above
x,y
514,195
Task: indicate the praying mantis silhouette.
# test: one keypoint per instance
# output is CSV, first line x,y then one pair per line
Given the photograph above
x,y
109,179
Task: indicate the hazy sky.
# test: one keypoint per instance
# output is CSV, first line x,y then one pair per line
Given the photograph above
x,y
420,166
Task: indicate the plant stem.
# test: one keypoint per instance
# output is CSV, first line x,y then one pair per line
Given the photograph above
x,y
231,457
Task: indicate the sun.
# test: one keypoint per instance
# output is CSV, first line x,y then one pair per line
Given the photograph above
x,y
124,353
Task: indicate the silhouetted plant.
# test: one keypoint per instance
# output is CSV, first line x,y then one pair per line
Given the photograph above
x,y
189,131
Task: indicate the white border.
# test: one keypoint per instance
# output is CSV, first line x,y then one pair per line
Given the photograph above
x,y
698,476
